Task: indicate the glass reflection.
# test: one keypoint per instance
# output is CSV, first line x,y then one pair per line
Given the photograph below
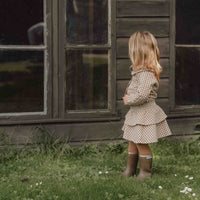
x,y
187,22
21,81
21,22
86,79
187,82
87,21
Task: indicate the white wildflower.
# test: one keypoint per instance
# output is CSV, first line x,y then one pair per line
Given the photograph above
x,y
41,183
31,186
160,187
193,194
191,178
186,190
175,175
106,172
186,176
100,172
36,184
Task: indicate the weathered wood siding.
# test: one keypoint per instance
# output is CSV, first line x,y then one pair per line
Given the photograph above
x,y
141,8
93,131
150,15
131,15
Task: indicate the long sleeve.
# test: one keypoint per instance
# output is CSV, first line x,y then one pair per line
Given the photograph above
x,y
146,80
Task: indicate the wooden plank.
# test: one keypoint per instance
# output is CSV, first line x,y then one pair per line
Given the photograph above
x,y
162,102
112,59
73,132
49,61
159,27
55,76
61,58
23,47
181,137
84,132
183,126
142,8
124,73
162,92
122,47
92,131
172,53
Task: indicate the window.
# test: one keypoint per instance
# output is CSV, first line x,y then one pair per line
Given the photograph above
x,y
86,79
57,59
187,51
87,22
87,71
21,81
23,57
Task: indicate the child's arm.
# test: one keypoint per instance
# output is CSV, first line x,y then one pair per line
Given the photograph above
x,y
146,80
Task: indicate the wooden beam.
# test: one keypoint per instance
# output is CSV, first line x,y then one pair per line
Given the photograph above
x,y
135,8
159,27
112,57
172,53
55,67
84,132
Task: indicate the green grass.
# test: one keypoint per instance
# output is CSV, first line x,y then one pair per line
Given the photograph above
x,y
94,173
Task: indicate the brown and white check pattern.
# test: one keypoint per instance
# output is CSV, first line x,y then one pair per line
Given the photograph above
x,y
145,122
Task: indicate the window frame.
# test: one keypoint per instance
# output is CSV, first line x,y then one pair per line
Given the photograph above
x,y
18,117
177,110
111,47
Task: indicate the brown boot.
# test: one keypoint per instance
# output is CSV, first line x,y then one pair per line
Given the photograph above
x,y
132,160
145,167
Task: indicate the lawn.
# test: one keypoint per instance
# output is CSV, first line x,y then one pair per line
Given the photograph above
x,y
90,172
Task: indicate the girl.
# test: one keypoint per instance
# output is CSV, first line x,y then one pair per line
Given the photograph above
x,y
145,122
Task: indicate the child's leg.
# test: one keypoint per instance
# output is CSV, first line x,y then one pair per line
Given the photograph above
x,y
132,148
132,160
144,149
145,160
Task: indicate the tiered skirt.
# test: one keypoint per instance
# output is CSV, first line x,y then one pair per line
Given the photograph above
x,y
145,124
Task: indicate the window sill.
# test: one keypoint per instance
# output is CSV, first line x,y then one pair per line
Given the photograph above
x,y
58,121
185,111
90,114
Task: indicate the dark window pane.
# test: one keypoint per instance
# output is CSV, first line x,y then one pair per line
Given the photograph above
x,y
21,81
187,22
21,22
86,79
187,80
87,21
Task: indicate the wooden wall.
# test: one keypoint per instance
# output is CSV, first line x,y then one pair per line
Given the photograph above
x,y
150,15
131,15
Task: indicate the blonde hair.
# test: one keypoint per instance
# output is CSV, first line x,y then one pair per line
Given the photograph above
x,y
144,52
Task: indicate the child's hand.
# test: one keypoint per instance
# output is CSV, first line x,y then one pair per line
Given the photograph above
x,y
125,99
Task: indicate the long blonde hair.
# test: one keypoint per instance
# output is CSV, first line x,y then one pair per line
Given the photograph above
x,y
144,52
